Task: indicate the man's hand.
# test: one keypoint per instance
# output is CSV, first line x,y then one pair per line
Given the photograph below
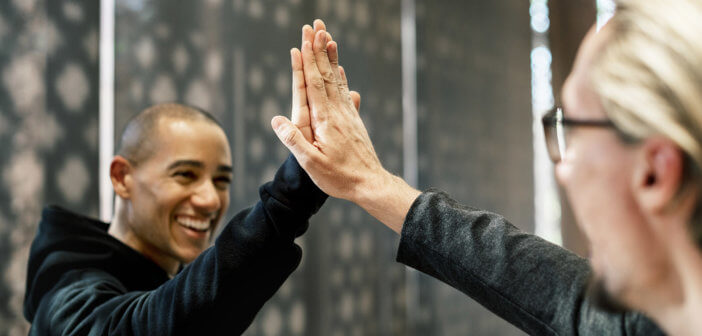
x,y
340,159
300,110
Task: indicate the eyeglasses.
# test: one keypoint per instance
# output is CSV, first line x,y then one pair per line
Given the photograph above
x,y
556,129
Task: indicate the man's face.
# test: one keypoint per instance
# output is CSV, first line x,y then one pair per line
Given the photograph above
x,y
597,173
180,193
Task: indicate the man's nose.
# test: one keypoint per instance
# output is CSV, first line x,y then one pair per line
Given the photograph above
x,y
206,198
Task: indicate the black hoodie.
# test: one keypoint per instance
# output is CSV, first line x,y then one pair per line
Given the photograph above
x,y
82,281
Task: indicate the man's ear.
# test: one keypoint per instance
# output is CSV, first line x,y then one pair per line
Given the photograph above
x,y
658,174
121,176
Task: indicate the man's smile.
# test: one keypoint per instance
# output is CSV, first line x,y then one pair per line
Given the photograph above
x,y
194,223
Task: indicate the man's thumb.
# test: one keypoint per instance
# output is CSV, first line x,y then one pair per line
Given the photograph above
x,y
291,137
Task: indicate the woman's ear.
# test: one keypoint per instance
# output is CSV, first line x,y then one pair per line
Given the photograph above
x,y
120,174
658,175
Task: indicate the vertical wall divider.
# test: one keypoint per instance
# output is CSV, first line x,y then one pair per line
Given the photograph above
x,y
410,165
547,207
107,116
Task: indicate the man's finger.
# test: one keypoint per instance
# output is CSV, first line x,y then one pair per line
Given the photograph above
x,y
342,75
356,98
300,111
298,80
319,25
344,85
307,34
325,68
315,86
333,55
291,137
332,52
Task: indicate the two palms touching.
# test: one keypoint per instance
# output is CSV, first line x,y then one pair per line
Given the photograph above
x,y
300,108
328,138
326,133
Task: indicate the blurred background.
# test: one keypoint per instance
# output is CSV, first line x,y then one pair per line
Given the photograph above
x,y
452,94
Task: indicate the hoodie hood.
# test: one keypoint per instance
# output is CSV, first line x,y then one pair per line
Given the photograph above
x,y
67,241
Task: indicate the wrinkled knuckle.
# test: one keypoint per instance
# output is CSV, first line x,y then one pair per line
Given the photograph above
x,y
289,137
328,77
317,83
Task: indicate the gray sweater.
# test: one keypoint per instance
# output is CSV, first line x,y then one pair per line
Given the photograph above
x,y
533,284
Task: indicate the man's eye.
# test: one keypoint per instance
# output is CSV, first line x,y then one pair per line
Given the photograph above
x,y
222,182
184,175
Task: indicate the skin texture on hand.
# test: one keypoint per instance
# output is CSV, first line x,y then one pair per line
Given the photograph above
x,y
330,141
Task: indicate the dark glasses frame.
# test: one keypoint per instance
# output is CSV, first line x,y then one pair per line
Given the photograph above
x,y
555,125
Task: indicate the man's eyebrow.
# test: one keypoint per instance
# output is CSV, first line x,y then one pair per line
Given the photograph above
x,y
198,164
179,163
224,168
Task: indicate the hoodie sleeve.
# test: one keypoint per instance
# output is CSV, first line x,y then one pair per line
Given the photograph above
x,y
533,284
218,293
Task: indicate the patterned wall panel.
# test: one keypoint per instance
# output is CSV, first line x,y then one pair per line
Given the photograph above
x,y
48,128
475,137
231,57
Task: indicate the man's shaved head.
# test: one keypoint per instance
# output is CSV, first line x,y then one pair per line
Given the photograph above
x,y
137,142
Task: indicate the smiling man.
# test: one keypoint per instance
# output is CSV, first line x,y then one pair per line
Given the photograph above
x,y
628,151
174,166
172,176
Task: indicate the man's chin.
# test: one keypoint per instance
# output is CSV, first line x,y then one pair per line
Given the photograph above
x,y
601,298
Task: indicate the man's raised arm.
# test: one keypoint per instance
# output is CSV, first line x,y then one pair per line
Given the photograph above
x,y
526,280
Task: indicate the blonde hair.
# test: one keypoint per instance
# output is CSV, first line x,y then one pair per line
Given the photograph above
x,y
649,76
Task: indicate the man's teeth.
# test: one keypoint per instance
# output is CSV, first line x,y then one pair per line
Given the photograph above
x,y
195,224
